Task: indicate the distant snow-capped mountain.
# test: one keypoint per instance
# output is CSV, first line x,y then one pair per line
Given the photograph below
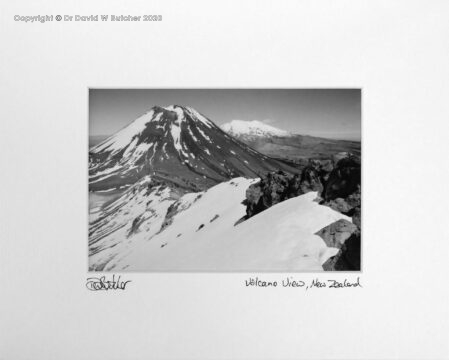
x,y
278,143
254,128
179,145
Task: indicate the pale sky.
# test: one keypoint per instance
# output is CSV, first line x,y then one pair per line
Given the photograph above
x,y
331,113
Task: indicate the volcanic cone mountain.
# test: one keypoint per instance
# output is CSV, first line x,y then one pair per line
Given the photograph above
x,y
178,145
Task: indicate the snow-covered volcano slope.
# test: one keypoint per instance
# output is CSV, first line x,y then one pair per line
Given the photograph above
x,y
178,144
203,236
138,213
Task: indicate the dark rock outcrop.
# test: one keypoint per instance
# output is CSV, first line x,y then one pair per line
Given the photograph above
x,y
348,258
135,225
344,179
356,217
346,205
344,236
335,234
342,192
279,186
310,180
271,190
337,182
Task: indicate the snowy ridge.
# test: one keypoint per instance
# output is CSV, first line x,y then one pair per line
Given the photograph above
x,y
202,234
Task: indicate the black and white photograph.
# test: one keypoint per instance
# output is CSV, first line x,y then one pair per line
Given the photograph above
x,y
225,180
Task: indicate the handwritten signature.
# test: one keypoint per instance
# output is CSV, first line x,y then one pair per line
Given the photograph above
x,y
101,283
